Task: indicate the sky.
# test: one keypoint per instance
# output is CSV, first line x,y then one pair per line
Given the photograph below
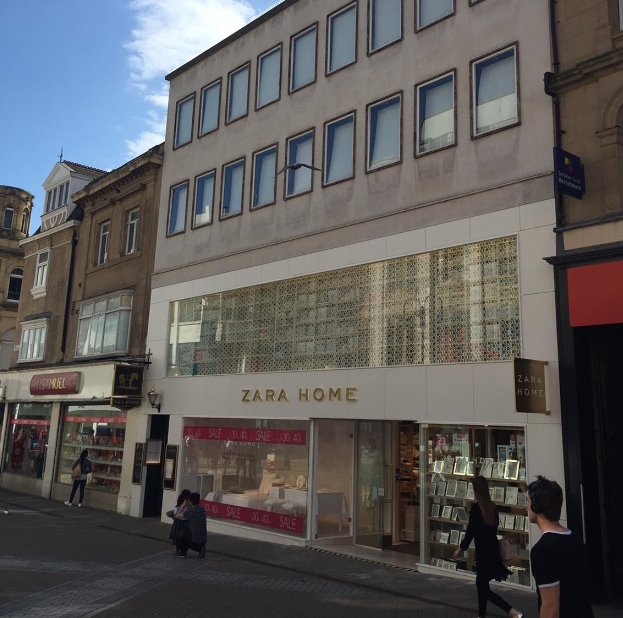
x,y
87,77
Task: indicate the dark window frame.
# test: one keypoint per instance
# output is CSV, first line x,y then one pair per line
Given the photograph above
x,y
245,65
231,163
352,113
193,225
200,133
171,190
335,13
300,33
257,75
400,95
252,188
189,97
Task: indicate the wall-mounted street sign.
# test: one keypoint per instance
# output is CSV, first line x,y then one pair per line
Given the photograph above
x,y
568,174
127,387
530,386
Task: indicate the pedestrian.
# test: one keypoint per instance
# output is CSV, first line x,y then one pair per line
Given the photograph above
x,y
197,535
558,560
177,523
80,476
483,528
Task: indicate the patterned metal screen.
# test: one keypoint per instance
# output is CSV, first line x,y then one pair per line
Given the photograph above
x,y
456,305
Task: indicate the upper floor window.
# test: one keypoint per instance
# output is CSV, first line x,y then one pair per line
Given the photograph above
x,y
384,145
342,38
177,209
300,161
238,93
41,269
104,325
431,11
385,25
131,231
494,84
264,179
15,284
435,114
57,197
25,221
7,220
32,344
303,58
103,237
184,121
268,77
233,179
204,199
210,107
339,149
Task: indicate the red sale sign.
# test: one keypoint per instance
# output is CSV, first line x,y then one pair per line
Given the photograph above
x,y
95,419
245,434
285,523
28,421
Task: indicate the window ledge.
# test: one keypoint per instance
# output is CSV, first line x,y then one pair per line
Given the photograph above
x,y
29,360
39,292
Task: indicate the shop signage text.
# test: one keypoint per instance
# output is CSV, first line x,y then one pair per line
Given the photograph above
x,y
95,419
568,174
245,434
530,386
304,394
126,403
67,383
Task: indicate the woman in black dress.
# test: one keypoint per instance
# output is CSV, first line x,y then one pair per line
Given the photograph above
x,y
483,528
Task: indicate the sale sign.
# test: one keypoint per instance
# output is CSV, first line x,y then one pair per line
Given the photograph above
x,y
285,523
245,434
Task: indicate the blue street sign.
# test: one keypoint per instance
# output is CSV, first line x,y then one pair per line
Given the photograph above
x,y
568,174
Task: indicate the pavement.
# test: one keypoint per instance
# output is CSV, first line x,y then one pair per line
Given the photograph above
x,y
57,561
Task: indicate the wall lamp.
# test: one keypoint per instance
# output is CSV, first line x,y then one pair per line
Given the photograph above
x,y
154,399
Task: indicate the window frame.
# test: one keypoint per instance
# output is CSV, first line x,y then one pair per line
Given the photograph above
x,y
245,65
369,106
100,235
287,196
8,208
25,221
128,224
200,132
257,75
13,275
325,168
222,192
33,325
178,104
40,290
419,28
472,90
193,225
353,4
298,35
252,188
171,191
369,49
416,134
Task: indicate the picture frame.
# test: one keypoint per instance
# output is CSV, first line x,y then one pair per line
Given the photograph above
x,y
519,524
452,566
434,512
437,535
498,494
139,460
509,522
470,491
451,489
511,495
461,489
454,515
441,488
522,474
444,538
504,452
461,536
511,470
526,524
460,466
521,499
497,471
431,535
471,466
170,466
154,452
454,537
438,466
486,468
461,514
432,488
434,562
448,465
446,512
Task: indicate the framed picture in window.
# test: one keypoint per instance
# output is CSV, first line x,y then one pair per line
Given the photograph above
x,y
498,494
470,491
438,466
498,470
451,489
460,466
509,522
444,537
486,468
448,465
454,537
461,489
503,452
432,488
441,488
461,514
521,499
434,512
511,469
511,495
519,522
437,535
170,466
447,512
154,452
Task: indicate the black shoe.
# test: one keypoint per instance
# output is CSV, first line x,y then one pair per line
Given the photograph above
x,y
202,552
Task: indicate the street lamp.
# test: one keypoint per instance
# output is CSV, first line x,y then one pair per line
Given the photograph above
x,y
154,399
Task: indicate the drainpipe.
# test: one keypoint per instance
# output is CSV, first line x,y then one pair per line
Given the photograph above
x,y
70,278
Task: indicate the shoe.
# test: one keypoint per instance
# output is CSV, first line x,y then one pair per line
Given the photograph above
x,y
202,554
67,503
180,555
79,503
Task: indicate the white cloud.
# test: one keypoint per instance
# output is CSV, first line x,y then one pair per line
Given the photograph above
x,y
154,134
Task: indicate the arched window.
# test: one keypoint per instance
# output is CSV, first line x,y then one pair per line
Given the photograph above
x,y
7,222
15,284
25,221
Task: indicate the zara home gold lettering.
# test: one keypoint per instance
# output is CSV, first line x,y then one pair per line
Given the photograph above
x,y
348,394
529,386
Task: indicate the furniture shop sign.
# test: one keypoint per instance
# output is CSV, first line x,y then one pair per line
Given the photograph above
x,y
568,174
530,386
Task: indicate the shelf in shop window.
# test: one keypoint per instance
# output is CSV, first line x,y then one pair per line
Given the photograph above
x,y
94,447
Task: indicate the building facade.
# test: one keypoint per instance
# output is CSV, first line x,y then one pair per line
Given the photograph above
x,y
357,200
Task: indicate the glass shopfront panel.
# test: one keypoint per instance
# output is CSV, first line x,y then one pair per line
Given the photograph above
x,y
454,456
248,471
100,430
27,441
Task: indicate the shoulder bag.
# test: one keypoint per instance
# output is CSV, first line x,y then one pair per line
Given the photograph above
x,y
76,471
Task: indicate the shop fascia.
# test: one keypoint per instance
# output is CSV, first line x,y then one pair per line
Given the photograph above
x,y
304,394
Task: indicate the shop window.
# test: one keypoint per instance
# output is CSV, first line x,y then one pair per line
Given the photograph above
x,y
268,77
184,121
435,114
101,431
260,467
342,38
454,455
210,106
339,155
303,59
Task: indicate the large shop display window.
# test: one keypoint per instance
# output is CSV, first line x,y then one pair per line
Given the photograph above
x,y
27,443
454,456
251,472
100,430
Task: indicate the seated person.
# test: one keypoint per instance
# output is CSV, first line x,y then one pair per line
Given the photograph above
x,y
197,534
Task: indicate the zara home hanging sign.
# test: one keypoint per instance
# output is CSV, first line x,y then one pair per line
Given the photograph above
x,y
530,386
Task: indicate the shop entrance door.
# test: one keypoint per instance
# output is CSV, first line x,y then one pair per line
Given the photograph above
x,y
152,502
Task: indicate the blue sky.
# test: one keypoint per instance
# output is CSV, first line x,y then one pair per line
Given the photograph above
x,y
87,76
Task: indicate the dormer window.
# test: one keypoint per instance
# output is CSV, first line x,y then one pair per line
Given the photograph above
x,y
57,197
7,220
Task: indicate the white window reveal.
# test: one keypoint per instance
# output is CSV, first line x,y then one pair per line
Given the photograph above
x,y
300,150
339,141
269,77
103,242
384,133
303,59
204,199
435,114
210,105
238,94
32,344
184,121
177,209
131,238
233,176
385,23
342,38
264,171
41,274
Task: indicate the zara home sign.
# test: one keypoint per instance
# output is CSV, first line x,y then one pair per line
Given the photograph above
x,y
304,394
530,386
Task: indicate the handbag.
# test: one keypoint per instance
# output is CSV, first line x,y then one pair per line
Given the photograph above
x,y
507,551
76,471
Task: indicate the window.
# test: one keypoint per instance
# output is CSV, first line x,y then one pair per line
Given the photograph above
x,y
339,149
231,200
210,106
57,197
27,437
184,121
63,194
204,199
41,270
268,77
494,80
32,345
435,114
385,23
104,325
7,221
384,133
177,209
15,284
102,243
238,94
342,38
131,236
303,59
264,177
25,222
300,150
431,11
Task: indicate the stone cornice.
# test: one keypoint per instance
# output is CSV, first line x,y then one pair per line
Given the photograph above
x,y
588,70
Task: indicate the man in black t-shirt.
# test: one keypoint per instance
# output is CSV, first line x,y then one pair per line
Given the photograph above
x,y
558,559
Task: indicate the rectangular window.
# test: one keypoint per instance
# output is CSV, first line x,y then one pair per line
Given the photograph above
x,y
238,94
48,202
268,77
233,177
264,180
494,82
303,59
435,114
103,241
32,344
385,23
339,149
342,38
204,199
177,209
41,271
210,105
131,236
384,133
184,121
28,431
300,151
63,201
104,325
430,11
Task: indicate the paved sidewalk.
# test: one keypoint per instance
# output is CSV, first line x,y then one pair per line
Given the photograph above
x,y
451,597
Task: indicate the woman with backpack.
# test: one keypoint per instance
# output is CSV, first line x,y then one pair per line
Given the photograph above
x,y
79,471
